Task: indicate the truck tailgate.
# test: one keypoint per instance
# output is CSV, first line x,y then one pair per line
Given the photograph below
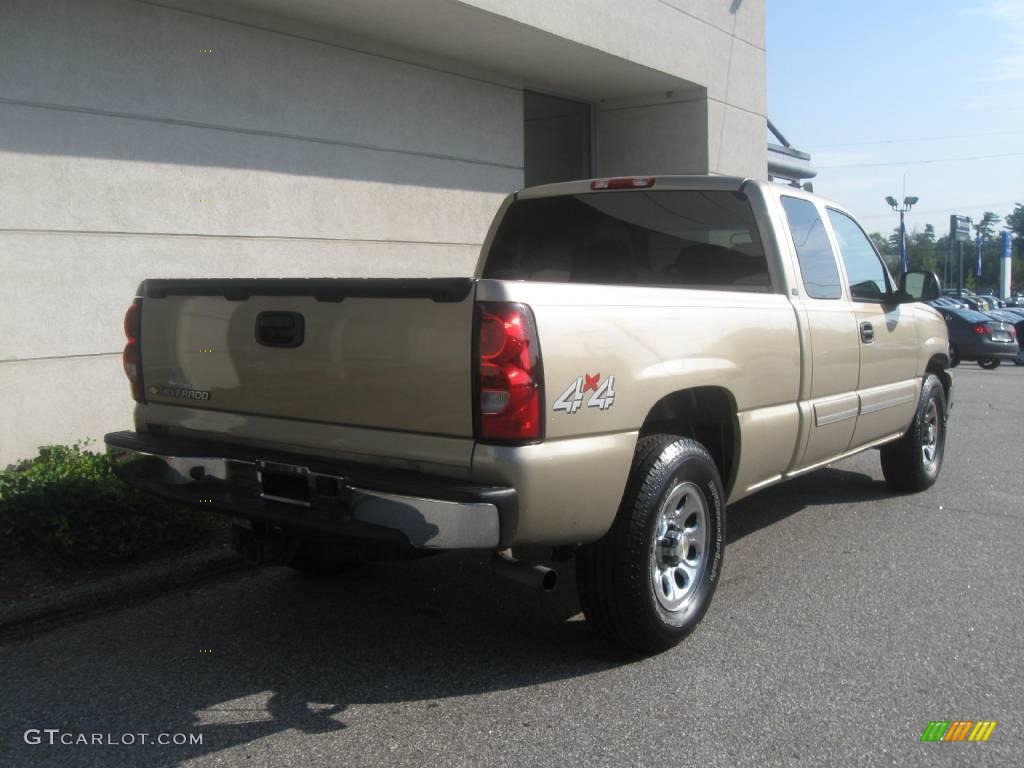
x,y
381,353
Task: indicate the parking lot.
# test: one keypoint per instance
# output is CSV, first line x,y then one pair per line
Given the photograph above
x,y
847,619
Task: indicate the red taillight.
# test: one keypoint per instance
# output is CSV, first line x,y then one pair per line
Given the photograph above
x,y
509,393
132,356
624,182
981,330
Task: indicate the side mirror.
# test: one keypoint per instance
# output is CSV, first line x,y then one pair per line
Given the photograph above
x,y
920,285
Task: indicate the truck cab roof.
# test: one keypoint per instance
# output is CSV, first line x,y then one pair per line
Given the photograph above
x,y
668,182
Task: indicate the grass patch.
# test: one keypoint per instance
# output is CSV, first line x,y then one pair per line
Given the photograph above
x,y
66,507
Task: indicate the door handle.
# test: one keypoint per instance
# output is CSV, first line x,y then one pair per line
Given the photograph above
x,y
867,333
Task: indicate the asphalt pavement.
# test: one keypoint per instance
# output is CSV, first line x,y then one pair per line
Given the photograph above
x,y
847,619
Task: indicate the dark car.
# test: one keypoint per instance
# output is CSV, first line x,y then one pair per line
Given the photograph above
x,y
949,302
995,301
1014,317
974,336
1017,312
975,303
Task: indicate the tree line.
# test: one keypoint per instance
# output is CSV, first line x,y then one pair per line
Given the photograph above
x,y
925,250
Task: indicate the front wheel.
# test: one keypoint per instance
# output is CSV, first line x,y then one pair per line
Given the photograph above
x,y
647,583
989,364
912,463
954,357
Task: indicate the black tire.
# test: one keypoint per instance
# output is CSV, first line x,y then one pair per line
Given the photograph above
x,y
989,364
615,575
954,357
904,462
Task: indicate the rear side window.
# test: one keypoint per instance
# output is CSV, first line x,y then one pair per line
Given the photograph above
x,y
868,277
813,249
683,238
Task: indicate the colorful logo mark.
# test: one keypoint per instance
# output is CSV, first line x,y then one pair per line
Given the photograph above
x,y
958,730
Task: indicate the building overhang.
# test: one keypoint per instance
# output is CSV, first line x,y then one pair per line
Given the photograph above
x,y
452,31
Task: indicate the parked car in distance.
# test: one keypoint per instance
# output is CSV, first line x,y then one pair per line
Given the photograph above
x,y
972,303
964,296
976,336
1014,317
996,302
947,301
1013,311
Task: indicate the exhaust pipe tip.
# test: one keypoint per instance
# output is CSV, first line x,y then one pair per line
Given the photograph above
x,y
549,580
531,575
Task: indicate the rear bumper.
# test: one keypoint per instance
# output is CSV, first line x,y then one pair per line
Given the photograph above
x,y
322,497
997,350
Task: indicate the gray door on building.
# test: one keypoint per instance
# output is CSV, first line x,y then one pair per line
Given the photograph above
x,y
557,139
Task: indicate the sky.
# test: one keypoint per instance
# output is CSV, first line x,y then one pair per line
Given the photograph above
x,y
889,85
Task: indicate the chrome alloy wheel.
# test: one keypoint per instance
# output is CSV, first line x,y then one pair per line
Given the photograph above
x,y
931,427
679,551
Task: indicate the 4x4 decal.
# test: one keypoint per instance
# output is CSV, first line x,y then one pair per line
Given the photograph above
x,y
603,397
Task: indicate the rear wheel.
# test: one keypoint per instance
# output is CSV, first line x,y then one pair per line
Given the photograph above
x,y
989,364
647,583
954,357
913,462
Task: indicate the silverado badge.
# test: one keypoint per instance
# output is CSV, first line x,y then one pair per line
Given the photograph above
x,y
184,393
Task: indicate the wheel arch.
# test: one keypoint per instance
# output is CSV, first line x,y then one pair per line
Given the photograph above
x,y
707,414
939,365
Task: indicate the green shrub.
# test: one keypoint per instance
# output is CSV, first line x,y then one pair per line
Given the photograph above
x,y
66,506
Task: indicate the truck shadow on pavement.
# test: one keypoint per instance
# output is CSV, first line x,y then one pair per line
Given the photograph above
x,y
268,652
823,486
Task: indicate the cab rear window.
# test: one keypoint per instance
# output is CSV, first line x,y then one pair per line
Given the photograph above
x,y
683,238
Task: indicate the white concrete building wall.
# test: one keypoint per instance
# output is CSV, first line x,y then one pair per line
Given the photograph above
x,y
315,137
717,45
662,136
126,153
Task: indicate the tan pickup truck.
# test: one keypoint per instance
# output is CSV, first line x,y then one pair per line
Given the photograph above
x,y
630,356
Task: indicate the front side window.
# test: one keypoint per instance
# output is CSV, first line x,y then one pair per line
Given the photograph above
x,y
704,239
813,249
869,279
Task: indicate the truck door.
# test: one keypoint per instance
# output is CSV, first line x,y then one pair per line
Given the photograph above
x,y
888,385
829,401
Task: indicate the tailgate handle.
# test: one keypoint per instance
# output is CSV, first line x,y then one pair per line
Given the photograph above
x,y
280,329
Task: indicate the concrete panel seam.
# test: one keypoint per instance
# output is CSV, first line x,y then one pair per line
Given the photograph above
x,y
721,129
736,107
60,357
374,54
705,22
699,100
116,233
254,132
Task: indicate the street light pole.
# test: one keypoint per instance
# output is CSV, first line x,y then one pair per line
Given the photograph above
x,y
908,203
